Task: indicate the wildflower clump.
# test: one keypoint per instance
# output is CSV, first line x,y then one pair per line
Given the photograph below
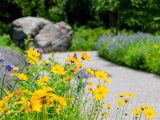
x,y
146,111
46,89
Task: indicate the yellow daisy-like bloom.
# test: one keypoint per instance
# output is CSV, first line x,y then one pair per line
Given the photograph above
x,y
58,69
13,74
149,113
126,94
108,106
3,110
74,70
16,68
72,59
85,56
40,98
105,114
136,111
100,92
79,64
90,83
22,76
6,99
90,71
90,90
106,80
19,93
25,104
144,106
101,74
43,80
62,101
120,102
33,56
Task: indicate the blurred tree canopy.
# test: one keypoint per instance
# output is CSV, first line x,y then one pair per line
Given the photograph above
x,y
142,15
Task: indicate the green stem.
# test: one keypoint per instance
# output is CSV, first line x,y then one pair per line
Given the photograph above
x,y
2,86
140,116
92,110
123,111
99,109
117,113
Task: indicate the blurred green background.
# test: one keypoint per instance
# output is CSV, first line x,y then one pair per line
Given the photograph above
x,y
90,20
137,15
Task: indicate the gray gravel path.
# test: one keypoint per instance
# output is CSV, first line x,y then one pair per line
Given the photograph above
x,y
146,86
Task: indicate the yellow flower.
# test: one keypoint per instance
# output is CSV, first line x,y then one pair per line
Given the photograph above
x,y
89,90
120,102
6,99
33,56
90,71
144,106
100,92
16,68
149,113
13,74
74,70
105,114
22,76
108,106
101,74
58,69
85,56
3,110
58,110
25,104
106,80
62,101
136,111
42,80
42,97
90,83
19,93
79,64
72,59
126,94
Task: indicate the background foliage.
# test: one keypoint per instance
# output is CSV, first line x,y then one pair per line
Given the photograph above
x,y
139,51
140,15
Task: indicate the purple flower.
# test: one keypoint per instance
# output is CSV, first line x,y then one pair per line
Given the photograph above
x,y
39,75
2,59
39,50
9,67
79,75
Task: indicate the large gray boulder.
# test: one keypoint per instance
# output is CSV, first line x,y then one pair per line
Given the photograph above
x,y
47,36
10,57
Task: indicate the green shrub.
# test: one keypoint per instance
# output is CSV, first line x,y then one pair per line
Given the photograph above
x,y
139,51
6,41
85,38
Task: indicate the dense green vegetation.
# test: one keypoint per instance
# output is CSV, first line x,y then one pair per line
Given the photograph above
x,y
85,38
140,15
139,51
5,41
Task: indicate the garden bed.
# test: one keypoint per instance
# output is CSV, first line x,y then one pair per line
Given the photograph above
x,y
139,51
